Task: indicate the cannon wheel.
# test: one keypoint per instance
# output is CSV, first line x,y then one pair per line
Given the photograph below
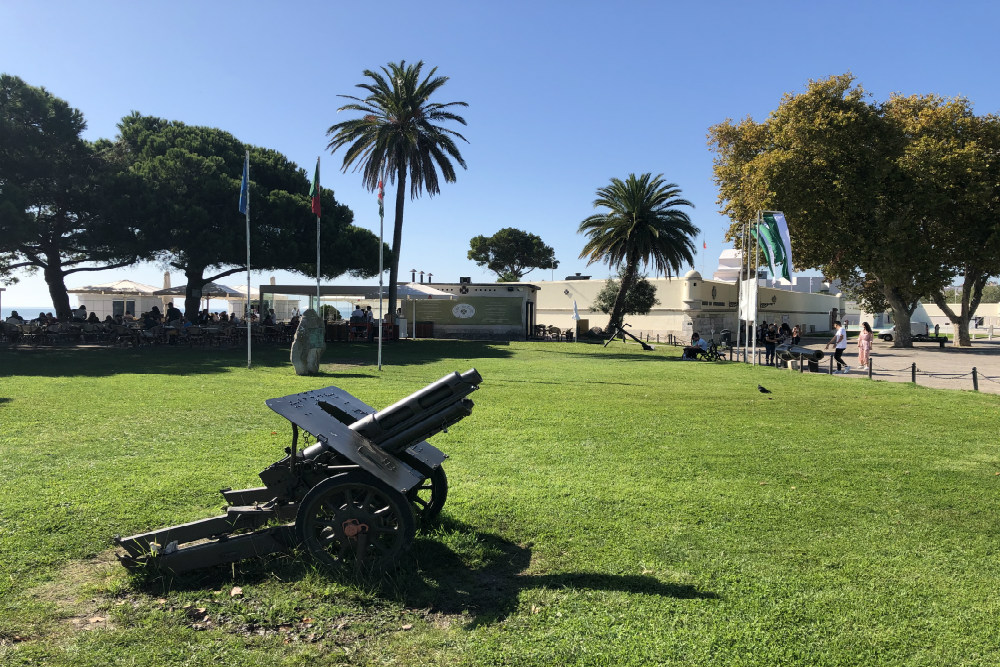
x,y
427,498
354,518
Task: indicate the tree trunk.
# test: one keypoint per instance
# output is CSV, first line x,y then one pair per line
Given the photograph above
x,y
192,295
55,279
901,312
397,239
972,292
617,310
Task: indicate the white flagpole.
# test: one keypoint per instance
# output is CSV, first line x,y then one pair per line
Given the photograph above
x,y
319,310
247,314
381,324
755,290
739,292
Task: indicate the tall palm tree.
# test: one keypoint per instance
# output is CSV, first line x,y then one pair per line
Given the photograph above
x,y
398,136
643,226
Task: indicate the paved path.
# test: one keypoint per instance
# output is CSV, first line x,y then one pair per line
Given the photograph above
x,y
948,368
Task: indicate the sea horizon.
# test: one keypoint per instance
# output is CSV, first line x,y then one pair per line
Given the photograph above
x,y
24,312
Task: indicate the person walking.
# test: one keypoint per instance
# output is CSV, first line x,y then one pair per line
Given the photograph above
x,y
865,344
770,343
839,340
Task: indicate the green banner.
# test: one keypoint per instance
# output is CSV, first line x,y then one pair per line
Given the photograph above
x,y
468,310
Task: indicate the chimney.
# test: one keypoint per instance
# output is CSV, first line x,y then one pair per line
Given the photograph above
x,y
166,280
429,276
272,280
421,277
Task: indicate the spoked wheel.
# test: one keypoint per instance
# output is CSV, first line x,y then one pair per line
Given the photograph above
x,y
355,519
427,498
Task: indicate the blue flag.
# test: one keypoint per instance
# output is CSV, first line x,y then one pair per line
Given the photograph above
x,y
245,186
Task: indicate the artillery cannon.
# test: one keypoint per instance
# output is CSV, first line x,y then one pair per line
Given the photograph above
x,y
354,496
789,352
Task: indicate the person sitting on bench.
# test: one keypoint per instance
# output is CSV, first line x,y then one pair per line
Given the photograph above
x,y
697,347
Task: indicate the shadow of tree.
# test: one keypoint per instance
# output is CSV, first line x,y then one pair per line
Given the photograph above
x,y
340,360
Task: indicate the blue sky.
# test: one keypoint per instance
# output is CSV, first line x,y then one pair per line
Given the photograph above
x,y
562,96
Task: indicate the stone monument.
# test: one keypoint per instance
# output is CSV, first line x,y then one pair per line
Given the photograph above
x,y
309,344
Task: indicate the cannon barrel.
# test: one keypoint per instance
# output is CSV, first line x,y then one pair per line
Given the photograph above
x,y
421,414
789,352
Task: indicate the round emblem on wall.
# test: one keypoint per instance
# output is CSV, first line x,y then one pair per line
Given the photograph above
x,y
463,311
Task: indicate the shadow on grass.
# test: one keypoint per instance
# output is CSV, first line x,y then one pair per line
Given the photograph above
x,y
453,570
487,586
340,360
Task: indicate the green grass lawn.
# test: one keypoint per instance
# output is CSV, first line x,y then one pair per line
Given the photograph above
x,y
607,506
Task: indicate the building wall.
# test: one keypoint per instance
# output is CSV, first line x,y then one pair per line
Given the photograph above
x,y
103,304
990,312
687,305
479,310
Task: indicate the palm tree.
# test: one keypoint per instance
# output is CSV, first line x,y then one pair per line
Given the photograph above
x,y
643,226
399,133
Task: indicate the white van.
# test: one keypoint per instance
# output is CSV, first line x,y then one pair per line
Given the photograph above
x,y
918,330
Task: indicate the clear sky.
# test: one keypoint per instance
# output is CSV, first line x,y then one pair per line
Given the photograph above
x,y
562,96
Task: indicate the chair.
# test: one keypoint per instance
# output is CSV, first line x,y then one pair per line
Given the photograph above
x,y
357,329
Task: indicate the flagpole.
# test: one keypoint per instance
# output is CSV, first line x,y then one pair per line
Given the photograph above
x,y
739,292
381,323
319,309
756,290
245,204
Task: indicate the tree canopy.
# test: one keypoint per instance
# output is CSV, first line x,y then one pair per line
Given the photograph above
x,y
190,220
873,192
643,226
512,253
398,136
64,205
639,300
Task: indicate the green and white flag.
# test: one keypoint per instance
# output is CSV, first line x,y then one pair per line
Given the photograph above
x,y
773,232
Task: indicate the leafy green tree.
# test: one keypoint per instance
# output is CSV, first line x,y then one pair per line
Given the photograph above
x,y
512,253
643,226
639,300
399,136
991,293
64,203
190,218
872,192
951,159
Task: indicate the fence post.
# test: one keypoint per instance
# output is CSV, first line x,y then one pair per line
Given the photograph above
x,y
802,364
657,338
869,368
975,379
913,372
831,365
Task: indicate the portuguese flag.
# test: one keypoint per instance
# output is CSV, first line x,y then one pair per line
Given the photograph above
x,y
314,190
